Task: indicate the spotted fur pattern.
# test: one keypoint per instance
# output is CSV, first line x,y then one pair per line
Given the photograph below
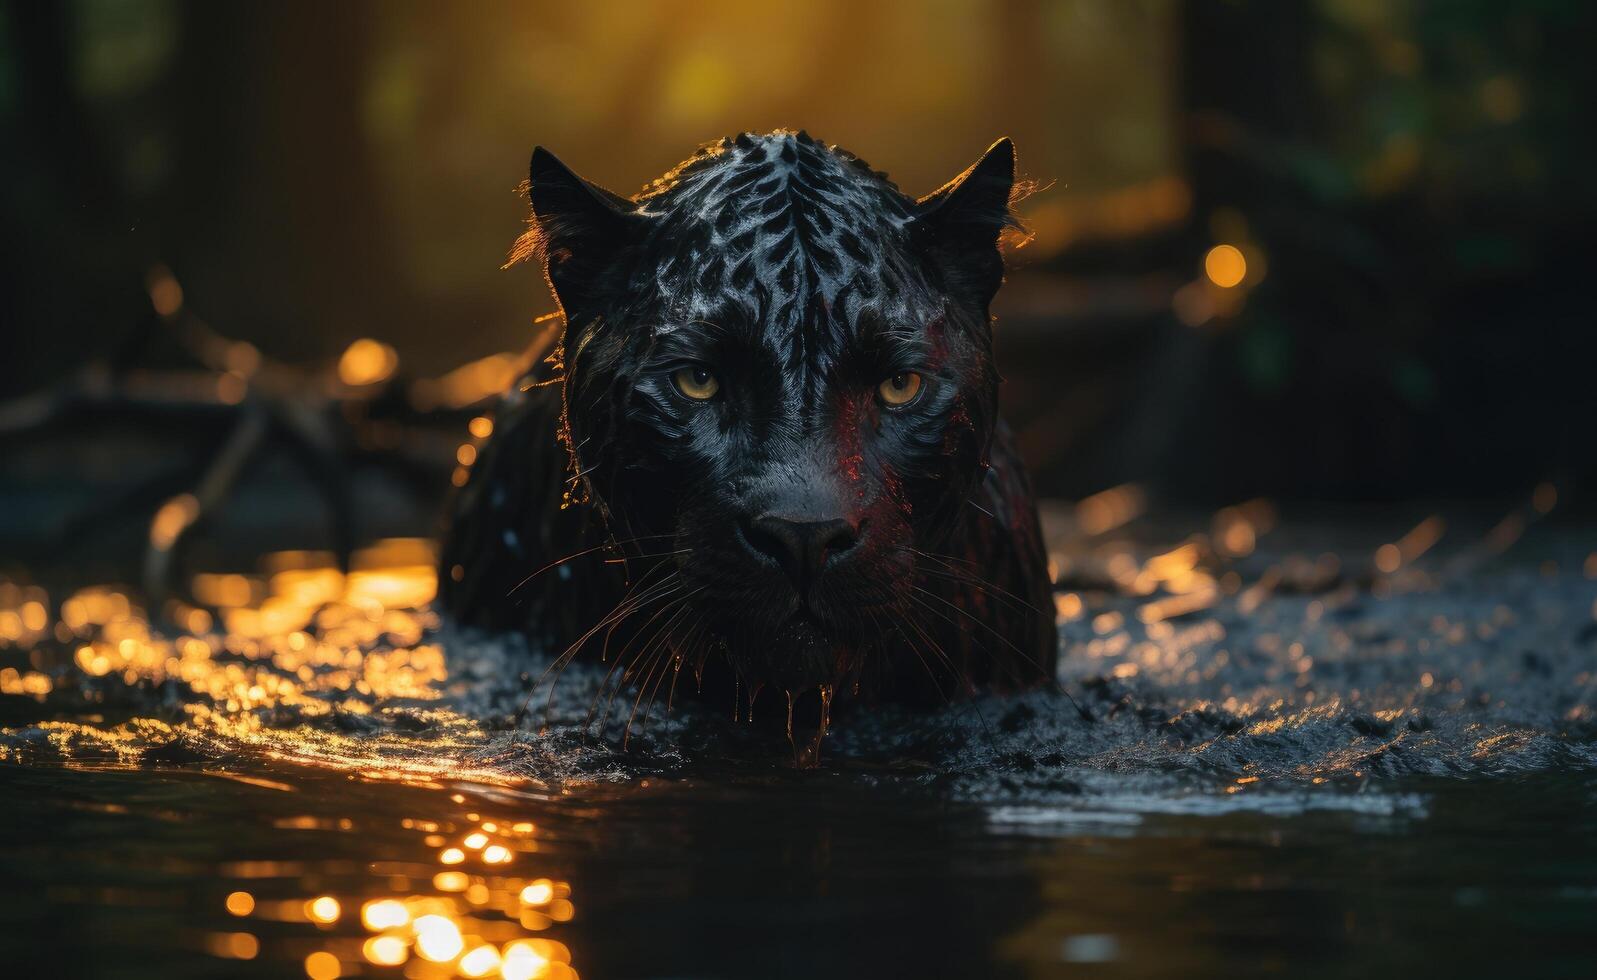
x,y
785,223
803,277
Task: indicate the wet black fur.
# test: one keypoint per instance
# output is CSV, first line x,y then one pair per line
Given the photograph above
x,y
801,279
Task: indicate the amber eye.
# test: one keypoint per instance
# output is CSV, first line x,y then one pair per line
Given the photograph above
x,y
899,390
696,382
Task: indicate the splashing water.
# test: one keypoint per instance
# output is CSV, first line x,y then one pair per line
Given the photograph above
x,y
1210,680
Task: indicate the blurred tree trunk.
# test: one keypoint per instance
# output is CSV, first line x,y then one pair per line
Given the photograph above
x,y
64,252
290,238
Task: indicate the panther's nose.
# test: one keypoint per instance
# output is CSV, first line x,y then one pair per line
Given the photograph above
x,y
801,548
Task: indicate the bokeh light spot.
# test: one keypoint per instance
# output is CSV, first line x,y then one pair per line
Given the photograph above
x,y
497,854
385,913
367,362
323,909
1225,266
538,892
386,950
438,938
480,962
322,965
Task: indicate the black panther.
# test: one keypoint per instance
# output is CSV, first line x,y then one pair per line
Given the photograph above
x,y
776,399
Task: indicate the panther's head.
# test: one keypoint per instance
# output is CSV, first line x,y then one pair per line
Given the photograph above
x,y
779,377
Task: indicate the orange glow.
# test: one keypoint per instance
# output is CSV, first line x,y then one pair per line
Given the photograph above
x,y
367,362
475,841
497,854
231,388
1067,606
467,384
30,684
241,903
1234,534
433,928
242,358
233,945
386,950
384,914
322,965
222,590
172,519
525,959
34,616
1108,622
1424,535
1110,508
1225,266
523,962
1128,212
166,295
1194,304
1421,539
451,855
538,892
438,938
1178,605
480,962
323,909
482,427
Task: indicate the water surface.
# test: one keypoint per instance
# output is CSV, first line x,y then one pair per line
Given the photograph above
x,y
1315,755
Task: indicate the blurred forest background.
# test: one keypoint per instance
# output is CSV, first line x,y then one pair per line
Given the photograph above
x,y
1330,250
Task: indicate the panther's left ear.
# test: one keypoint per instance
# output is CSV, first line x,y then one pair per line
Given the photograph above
x,y
961,221
579,230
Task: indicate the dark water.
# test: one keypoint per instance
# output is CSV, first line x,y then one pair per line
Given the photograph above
x,y
128,873
1311,755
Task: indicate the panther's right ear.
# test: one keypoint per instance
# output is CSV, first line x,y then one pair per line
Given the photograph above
x,y
579,230
961,221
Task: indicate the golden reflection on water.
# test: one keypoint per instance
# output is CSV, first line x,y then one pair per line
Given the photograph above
x,y
305,642
486,913
300,639
485,922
